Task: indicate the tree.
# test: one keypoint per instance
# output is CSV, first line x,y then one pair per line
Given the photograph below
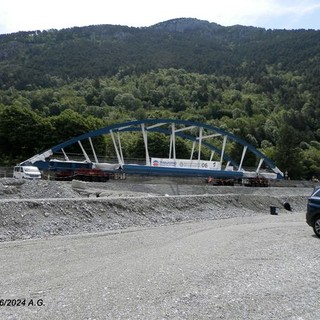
x,y
311,155
128,101
22,133
288,155
70,124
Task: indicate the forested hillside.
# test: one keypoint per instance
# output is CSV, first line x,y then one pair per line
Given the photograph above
x,y
262,85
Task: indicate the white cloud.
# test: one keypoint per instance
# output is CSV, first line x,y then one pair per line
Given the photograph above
x,y
270,13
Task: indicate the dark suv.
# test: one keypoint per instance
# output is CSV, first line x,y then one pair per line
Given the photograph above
x,y
313,211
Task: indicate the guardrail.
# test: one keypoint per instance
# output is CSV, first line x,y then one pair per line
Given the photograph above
x,y
6,172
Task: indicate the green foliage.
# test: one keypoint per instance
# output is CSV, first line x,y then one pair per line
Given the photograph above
x,y
311,162
22,133
70,124
41,59
128,101
262,85
288,155
257,118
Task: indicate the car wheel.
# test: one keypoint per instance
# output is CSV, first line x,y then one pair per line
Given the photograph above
x,y
316,227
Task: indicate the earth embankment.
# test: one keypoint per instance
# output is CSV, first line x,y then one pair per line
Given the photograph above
x,y
37,209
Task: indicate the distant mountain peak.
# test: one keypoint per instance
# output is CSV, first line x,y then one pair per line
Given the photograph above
x,y
184,24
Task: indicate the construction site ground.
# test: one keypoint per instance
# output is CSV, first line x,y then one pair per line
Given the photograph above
x,y
134,249
42,208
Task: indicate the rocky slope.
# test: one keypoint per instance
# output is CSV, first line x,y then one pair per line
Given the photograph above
x,y
38,209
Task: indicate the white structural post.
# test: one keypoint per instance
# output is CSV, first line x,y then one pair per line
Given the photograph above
x,y
242,157
223,148
170,147
94,153
199,143
192,151
84,152
120,147
173,129
259,166
211,156
156,125
145,139
115,147
65,155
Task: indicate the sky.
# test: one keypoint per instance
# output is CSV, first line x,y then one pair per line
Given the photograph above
x,y
30,15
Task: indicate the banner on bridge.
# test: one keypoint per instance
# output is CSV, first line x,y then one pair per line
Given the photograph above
x,y
188,164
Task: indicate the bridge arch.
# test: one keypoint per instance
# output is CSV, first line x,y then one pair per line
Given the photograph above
x,y
200,136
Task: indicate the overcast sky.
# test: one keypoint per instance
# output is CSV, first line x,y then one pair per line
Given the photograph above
x,y
29,15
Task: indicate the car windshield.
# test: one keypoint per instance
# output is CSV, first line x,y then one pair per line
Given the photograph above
x,y
316,193
31,169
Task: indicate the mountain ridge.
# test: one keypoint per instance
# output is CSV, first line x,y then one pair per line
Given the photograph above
x,y
194,45
261,85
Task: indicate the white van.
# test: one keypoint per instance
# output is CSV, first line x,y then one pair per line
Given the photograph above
x,y
26,172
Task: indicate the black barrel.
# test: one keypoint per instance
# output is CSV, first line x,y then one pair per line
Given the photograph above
x,y
273,210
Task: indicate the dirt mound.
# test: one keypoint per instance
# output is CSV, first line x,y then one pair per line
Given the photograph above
x,y
33,209
35,189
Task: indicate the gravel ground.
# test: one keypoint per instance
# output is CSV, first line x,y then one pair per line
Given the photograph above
x,y
37,209
125,250
259,267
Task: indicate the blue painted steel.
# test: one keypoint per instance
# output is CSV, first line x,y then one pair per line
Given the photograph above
x,y
42,165
148,170
136,126
62,165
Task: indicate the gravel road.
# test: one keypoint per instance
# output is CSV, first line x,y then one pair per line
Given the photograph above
x,y
128,250
257,267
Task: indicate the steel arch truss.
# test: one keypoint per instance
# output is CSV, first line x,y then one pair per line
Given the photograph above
x,y
200,135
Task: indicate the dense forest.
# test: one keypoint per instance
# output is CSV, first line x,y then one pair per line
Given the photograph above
x,y
262,85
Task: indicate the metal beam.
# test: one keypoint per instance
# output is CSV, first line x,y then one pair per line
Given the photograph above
x,y
120,147
84,152
94,153
223,148
259,166
65,155
200,142
170,147
122,128
184,129
192,151
145,139
242,157
173,140
155,126
212,135
116,147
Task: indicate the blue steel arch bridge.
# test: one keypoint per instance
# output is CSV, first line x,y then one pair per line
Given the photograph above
x,y
216,141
